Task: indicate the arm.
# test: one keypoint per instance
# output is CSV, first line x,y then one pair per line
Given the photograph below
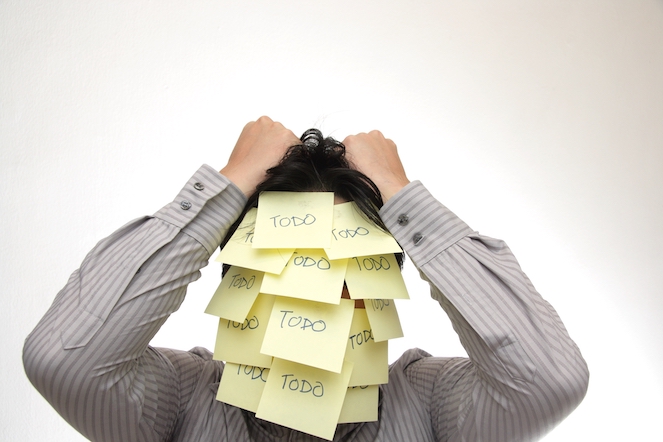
x,y
524,373
89,355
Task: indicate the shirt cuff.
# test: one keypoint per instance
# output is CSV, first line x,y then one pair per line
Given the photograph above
x,y
423,226
205,207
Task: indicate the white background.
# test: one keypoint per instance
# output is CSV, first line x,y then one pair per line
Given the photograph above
x,y
540,123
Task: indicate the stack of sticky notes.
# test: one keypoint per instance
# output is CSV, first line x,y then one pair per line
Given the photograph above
x,y
297,354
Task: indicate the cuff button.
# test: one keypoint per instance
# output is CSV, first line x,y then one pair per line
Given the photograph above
x,y
185,205
199,186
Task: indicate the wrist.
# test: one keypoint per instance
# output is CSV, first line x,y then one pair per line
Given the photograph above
x,y
244,182
388,190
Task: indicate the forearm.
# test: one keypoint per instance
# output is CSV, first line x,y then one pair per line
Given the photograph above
x,y
525,374
89,355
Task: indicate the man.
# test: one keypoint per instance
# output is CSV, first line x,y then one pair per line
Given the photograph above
x,y
89,356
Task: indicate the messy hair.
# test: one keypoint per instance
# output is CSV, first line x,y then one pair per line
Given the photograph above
x,y
319,164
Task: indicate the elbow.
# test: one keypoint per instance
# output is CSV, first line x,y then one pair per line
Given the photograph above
x,y
553,397
554,392
565,388
45,362
571,376
577,384
36,362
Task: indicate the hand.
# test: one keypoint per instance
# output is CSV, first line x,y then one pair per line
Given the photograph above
x,y
377,158
261,145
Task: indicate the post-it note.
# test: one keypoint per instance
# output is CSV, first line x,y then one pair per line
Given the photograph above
x,y
294,219
239,249
308,332
360,405
304,398
383,318
370,358
354,235
308,275
375,277
240,342
236,294
242,385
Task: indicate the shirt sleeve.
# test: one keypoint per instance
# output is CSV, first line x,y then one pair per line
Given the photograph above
x,y
89,355
524,374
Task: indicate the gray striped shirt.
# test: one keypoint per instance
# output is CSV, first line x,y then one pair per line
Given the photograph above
x,y
90,357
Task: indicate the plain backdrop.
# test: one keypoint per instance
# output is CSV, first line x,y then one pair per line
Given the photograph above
x,y
540,123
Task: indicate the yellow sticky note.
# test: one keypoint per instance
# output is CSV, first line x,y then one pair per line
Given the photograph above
x,y
236,294
375,277
242,385
294,219
239,249
360,405
304,398
370,358
354,235
240,342
383,318
310,333
308,275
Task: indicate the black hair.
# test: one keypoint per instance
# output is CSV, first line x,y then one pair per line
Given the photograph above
x,y
319,164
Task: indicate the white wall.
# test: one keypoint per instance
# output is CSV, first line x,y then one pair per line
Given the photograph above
x,y
545,120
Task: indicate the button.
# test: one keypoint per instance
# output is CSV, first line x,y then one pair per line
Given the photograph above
x,y
199,186
417,238
403,219
185,205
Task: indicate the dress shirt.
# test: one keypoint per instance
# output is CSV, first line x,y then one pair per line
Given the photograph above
x,y
90,356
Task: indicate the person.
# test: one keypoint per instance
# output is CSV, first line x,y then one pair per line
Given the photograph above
x,y
90,356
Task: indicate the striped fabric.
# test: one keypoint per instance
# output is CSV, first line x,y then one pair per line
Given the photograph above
x,y
90,357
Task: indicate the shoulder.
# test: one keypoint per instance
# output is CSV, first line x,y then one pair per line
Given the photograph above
x,y
409,357
193,366
424,373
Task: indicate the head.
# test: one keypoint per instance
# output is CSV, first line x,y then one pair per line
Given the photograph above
x,y
319,164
